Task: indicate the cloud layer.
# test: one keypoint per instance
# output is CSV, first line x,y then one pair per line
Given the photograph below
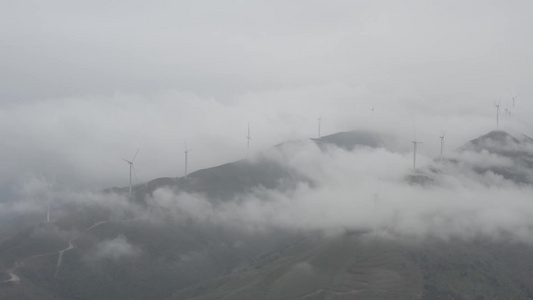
x,y
84,85
367,190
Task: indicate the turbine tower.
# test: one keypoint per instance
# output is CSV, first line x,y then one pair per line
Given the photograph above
x,y
415,145
319,125
186,159
514,98
249,138
376,198
507,110
442,144
497,114
132,168
49,186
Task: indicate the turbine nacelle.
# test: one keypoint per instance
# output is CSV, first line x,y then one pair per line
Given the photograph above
x,y
132,167
442,143
129,162
497,105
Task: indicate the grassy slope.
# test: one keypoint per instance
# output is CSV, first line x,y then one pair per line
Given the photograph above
x,y
348,267
359,268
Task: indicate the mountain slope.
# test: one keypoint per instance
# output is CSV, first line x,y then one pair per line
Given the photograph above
x,y
226,181
356,267
113,246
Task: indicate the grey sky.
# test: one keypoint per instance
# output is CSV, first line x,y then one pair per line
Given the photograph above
x,y
85,83
220,49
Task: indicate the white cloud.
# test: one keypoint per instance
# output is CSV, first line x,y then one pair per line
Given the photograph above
x,y
460,204
84,85
115,249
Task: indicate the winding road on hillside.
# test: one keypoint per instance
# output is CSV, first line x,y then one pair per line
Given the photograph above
x,y
16,279
60,258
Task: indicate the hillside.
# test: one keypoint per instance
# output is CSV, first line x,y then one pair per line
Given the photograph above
x,y
355,267
184,238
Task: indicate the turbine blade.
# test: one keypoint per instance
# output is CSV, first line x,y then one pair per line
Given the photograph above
x,y
129,162
135,155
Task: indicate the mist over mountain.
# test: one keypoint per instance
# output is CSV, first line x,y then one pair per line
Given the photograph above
x,y
269,226
266,150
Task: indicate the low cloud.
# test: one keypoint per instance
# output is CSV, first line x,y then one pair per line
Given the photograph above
x,y
347,196
115,249
366,190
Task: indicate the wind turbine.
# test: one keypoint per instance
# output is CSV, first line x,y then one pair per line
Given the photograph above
x,y
497,114
442,144
415,144
514,98
376,196
186,159
507,110
319,125
49,186
132,168
249,138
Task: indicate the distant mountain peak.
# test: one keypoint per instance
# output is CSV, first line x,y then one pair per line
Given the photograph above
x,y
496,141
496,136
517,151
351,139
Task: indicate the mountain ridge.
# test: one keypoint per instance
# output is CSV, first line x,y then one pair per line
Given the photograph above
x,y
99,251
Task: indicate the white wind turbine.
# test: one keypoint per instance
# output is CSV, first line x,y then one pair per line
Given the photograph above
x,y
186,159
514,98
249,138
507,110
376,198
442,144
415,145
497,114
132,168
49,188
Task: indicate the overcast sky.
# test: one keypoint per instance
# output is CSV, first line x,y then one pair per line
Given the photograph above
x,y
83,84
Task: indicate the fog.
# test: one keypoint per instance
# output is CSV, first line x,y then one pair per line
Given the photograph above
x,y
366,190
84,86
83,141
114,249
